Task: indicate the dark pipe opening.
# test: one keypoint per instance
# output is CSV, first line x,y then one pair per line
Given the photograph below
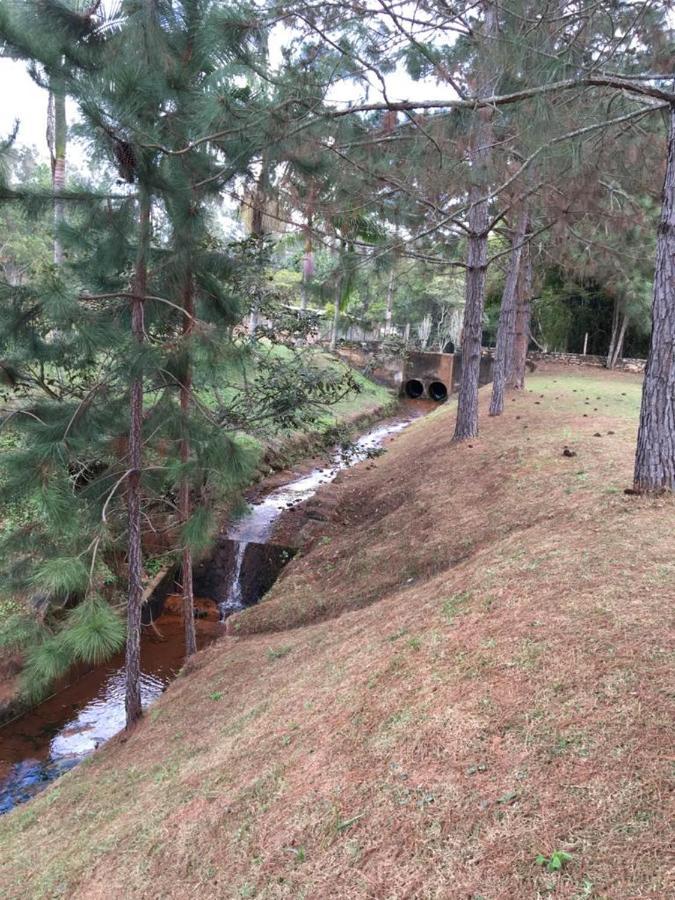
x,y
414,388
438,391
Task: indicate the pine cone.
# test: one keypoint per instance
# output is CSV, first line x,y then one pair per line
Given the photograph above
x,y
126,160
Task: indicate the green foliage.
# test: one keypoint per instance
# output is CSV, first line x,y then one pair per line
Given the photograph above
x,y
18,629
93,631
26,243
553,319
68,355
90,633
555,862
61,576
46,662
199,529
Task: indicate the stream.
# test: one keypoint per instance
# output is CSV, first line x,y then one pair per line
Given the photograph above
x,y
258,523
67,727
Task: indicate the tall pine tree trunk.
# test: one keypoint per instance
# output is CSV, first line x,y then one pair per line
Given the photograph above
x,y
477,253
655,455
515,377
507,319
184,499
56,138
389,311
307,267
336,314
260,200
135,549
613,337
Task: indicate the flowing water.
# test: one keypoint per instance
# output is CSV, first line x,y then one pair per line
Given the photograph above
x,y
234,600
258,523
38,747
67,727
94,724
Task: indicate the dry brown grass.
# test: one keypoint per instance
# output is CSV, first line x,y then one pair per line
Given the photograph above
x,y
477,671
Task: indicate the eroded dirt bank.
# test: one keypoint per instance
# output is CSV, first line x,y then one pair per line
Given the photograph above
x,y
469,668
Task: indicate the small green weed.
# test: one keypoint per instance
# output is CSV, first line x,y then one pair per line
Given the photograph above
x,y
216,695
278,652
586,890
397,634
555,862
453,605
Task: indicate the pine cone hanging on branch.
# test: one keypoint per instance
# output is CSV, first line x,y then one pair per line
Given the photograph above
x,y
125,157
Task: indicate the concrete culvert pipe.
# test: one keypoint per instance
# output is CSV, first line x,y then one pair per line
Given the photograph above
x,y
438,391
414,388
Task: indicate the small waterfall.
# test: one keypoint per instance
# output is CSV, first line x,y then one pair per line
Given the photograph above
x,y
234,600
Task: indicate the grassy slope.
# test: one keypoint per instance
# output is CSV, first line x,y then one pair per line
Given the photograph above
x,y
495,688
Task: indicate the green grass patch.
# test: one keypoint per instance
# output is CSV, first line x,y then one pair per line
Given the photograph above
x,y
455,605
275,653
619,397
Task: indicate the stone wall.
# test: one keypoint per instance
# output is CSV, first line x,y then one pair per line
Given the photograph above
x,y
578,359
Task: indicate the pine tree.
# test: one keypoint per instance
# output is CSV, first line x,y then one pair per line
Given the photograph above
x,y
655,454
505,350
135,326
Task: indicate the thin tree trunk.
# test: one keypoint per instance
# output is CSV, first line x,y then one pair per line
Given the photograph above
x,y
57,137
612,340
307,267
618,350
655,455
336,314
258,228
477,255
132,700
184,499
515,377
389,312
507,319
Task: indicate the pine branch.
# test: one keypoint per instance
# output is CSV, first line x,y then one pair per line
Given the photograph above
x,y
496,100
128,295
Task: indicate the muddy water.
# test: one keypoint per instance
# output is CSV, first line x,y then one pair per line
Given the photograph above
x,y
65,729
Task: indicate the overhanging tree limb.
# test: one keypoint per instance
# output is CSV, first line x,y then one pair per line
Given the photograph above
x,y
495,100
